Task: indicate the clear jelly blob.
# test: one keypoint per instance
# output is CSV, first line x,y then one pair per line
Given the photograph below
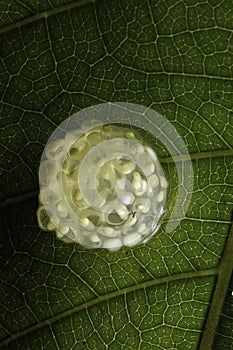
x,y
102,185
109,190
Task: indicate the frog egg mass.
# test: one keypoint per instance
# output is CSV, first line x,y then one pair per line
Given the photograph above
x,y
102,188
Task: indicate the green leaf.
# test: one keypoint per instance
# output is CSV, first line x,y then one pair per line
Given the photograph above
x,y
61,57
224,335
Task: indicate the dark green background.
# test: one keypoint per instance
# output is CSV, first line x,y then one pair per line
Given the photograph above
x,y
175,57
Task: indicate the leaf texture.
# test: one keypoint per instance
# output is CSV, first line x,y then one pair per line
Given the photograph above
x,y
61,57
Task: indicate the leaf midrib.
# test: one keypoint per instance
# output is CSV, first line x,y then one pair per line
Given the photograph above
x,y
225,271
106,297
44,14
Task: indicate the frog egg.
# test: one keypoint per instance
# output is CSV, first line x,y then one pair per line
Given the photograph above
x,y
94,238
161,196
130,134
113,244
132,239
122,211
142,205
142,228
124,167
98,187
152,154
89,239
64,229
142,190
108,232
153,184
137,182
62,209
163,182
137,149
126,198
85,222
51,226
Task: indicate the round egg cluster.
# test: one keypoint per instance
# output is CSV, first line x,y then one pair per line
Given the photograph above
x,y
103,189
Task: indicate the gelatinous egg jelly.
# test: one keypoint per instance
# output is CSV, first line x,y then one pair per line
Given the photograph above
x,y
107,189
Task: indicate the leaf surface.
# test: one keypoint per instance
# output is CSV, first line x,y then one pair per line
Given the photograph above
x,y
61,57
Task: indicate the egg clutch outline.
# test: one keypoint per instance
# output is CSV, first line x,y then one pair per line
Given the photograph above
x,y
102,185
